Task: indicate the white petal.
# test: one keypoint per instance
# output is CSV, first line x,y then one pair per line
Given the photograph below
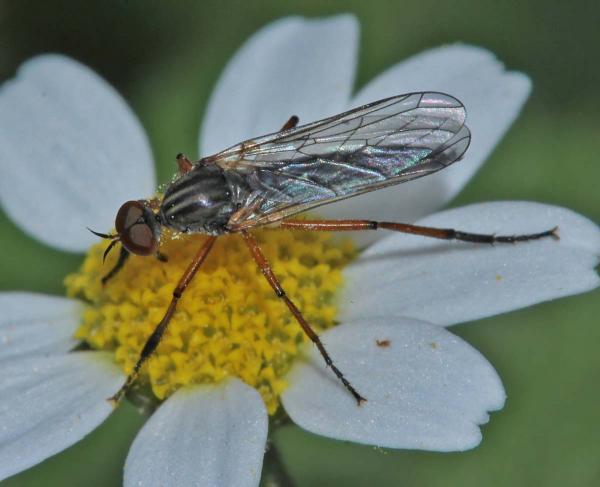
x,y
493,98
71,152
427,389
211,435
36,324
293,66
49,403
451,282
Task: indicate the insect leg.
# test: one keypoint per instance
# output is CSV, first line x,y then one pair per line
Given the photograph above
x,y
291,123
183,163
123,255
159,331
265,267
441,233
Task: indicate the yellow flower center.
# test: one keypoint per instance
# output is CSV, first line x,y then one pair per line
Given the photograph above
x,y
228,322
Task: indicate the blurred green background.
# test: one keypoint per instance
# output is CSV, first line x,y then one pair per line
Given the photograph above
x,y
165,57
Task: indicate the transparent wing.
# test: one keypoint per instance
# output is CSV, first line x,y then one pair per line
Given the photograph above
x,y
384,143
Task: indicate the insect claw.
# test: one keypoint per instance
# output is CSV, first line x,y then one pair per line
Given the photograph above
x,y
554,233
359,399
113,401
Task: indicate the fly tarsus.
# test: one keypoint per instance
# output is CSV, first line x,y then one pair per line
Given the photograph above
x,y
492,239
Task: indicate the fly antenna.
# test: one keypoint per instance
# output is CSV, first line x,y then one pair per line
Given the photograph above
x,y
108,236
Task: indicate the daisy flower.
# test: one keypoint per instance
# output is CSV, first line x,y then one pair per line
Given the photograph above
x,y
72,152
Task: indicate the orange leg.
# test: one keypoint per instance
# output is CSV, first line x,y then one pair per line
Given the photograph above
x,y
291,123
184,164
279,291
159,331
441,233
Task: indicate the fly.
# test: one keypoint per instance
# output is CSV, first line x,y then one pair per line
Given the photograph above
x,y
266,180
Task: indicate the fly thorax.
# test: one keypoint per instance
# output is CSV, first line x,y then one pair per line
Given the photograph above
x,y
201,201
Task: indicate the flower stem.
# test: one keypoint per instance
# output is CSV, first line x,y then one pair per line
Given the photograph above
x,y
274,473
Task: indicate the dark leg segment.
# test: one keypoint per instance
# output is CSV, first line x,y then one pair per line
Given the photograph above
x,y
159,331
441,233
273,281
123,255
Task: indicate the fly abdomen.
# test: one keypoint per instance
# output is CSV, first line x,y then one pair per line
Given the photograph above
x,y
199,202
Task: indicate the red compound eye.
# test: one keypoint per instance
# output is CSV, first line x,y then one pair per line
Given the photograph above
x,y
134,224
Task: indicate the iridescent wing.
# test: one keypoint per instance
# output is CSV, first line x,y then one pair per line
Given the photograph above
x,y
381,144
